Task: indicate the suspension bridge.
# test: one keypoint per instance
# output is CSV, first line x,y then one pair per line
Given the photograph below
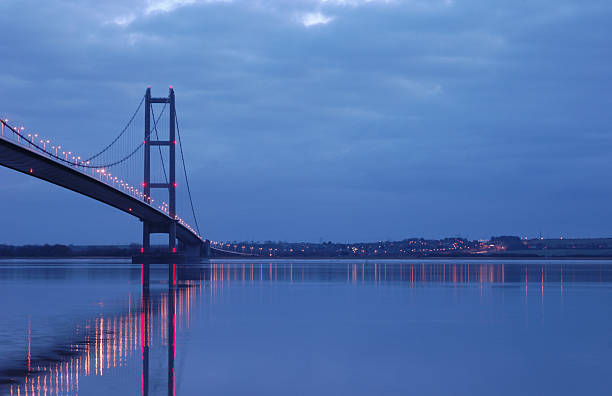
x,y
135,173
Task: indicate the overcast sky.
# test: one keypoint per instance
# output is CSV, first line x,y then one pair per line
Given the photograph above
x,y
334,120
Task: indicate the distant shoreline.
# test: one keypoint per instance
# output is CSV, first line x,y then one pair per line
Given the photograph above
x,y
370,258
497,248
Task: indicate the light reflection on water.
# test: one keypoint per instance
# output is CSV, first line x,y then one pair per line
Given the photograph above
x,y
413,272
143,324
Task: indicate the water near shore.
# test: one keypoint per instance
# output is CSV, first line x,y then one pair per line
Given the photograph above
x,y
316,327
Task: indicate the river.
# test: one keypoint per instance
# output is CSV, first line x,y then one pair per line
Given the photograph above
x,y
306,327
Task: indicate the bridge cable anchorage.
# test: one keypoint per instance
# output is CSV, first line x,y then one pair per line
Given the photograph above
x,y
120,134
195,219
157,137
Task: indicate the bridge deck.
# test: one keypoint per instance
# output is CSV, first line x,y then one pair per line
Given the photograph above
x,y
33,163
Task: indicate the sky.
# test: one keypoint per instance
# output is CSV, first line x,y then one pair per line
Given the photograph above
x,y
342,120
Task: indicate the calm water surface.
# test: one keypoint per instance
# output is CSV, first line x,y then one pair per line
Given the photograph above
x,y
306,328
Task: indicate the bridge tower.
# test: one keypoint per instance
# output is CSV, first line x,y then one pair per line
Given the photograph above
x,y
149,228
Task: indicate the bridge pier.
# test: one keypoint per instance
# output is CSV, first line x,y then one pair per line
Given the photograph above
x,y
191,250
192,254
186,251
195,250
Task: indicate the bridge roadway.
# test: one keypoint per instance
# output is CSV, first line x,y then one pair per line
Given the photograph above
x,y
33,163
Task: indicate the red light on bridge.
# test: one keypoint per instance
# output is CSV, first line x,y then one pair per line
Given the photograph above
x,y
174,184
141,250
170,87
144,184
173,250
130,209
31,170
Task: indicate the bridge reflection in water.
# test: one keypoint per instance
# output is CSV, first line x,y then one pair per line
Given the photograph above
x,y
109,342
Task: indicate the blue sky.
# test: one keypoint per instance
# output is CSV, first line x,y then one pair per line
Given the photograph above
x,y
334,120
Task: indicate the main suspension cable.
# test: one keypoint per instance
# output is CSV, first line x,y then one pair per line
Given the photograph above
x,y
120,134
195,219
83,164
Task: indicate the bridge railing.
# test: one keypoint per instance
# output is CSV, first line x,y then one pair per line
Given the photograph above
x,y
59,154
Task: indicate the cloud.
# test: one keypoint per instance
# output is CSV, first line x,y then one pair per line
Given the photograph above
x,y
315,18
401,100
124,16
352,2
171,5
418,88
152,7
124,20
